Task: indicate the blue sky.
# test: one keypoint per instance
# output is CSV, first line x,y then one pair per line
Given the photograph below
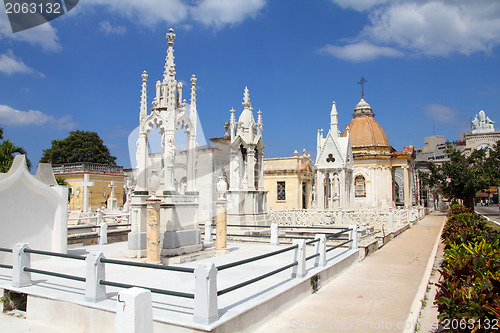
x,y
428,64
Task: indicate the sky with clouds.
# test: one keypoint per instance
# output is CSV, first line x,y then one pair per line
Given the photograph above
x,y
430,66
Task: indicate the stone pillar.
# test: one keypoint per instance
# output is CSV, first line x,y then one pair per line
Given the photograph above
x,y
261,170
320,247
205,294
153,231
191,159
169,161
221,227
320,189
299,270
251,168
274,234
103,233
406,185
20,259
353,234
142,162
134,311
94,291
208,234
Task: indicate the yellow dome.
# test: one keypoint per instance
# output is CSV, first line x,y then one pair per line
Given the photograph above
x,y
365,132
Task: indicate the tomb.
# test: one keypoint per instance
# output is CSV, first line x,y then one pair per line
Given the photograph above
x,y
37,209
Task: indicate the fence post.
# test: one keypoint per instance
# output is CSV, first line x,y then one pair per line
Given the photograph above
x,y
320,247
103,233
299,270
95,292
390,220
134,312
294,217
274,234
339,217
205,294
208,233
21,259
353,234
100,216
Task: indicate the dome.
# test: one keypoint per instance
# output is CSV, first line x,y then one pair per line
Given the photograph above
x,y
366,132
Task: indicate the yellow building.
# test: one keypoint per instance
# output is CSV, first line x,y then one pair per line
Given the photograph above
x,y
92,177
288,181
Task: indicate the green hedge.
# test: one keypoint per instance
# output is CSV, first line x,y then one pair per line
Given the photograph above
x,y
469,290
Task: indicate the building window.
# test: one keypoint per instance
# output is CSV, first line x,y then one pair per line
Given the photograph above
x,y
281,191
359,187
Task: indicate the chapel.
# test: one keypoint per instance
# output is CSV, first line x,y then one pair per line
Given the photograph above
x,y
382,177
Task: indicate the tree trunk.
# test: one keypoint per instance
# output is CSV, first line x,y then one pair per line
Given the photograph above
x,y
469,202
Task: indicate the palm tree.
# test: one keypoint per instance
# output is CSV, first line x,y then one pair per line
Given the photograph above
x,y
7,152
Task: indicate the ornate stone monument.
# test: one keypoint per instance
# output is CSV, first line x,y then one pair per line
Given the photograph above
x,y
246,195
334,168
179,232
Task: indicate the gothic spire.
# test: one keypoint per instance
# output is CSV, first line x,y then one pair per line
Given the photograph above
x,y
334,121
192,106
144,97
169,59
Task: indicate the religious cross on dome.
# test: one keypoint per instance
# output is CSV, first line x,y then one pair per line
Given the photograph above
x,y
362,83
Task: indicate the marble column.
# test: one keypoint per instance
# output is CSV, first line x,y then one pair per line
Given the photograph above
x,y
407,191
153,231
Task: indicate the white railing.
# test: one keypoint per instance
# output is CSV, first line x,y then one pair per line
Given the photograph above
x,y
378,218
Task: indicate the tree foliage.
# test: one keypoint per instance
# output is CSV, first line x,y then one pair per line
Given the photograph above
x,y
464,175
8,151
79,146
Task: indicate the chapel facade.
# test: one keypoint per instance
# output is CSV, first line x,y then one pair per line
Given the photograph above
x,y
382,177
334,168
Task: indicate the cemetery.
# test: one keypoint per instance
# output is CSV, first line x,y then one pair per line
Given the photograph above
x,y
153,263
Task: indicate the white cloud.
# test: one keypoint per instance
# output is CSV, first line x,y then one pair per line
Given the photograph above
x,y
362,51
109,29
44,36
11,116
146,13
442,114
430,27
218,13
359,5
10,64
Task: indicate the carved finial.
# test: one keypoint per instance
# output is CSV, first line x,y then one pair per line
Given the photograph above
x,y
144,76
246,98
259,118
170,37
232,118
304,152
193,89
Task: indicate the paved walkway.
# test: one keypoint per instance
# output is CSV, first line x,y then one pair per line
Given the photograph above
x,y
378,294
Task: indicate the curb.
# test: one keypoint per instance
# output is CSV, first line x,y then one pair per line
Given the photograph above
x,y
416,306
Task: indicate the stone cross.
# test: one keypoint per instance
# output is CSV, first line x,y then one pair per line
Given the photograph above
x,y
86,184
362,83
112,186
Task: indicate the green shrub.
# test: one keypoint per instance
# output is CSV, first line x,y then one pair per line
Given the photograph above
x,y
465,227
457,209
470,272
